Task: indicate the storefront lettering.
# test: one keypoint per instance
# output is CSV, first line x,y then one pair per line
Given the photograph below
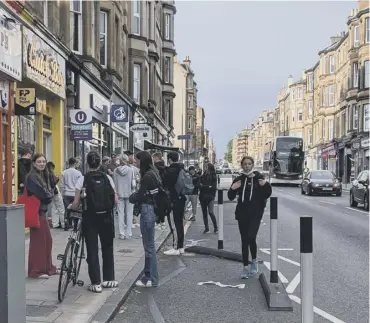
x,y
365,143
50,69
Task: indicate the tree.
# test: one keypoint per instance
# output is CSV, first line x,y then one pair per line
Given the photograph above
x,y
229,152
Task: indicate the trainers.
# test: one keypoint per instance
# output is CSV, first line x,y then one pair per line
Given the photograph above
x,y
216,230
182,251
245,273
172,252
163,226
206,231
139,283
192,218
122,237
254,268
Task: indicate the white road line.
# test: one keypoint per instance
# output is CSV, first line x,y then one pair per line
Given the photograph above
x,y
331,203
283,258
294,284
364,212
283,279
318,311
279,189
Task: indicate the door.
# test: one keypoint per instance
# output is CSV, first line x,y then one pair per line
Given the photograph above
x,y
47,146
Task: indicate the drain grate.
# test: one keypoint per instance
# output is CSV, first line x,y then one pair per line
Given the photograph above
x,y
37,311
125,250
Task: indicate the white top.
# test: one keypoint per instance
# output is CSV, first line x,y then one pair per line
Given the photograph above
x,y
80,183
69,180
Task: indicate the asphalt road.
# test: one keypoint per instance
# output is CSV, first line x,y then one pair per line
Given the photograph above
x,y
341,268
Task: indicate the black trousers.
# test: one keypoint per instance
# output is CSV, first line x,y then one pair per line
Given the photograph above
x,y
160,212
178,218
248,228
97,226
208,207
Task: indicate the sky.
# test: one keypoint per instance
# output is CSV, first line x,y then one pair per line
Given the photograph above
x,y
242,53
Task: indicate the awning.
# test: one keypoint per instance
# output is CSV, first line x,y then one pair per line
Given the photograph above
x,y
148,145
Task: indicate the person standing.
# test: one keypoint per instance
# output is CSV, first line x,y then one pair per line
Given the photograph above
x,y
56,208
136,184
24,167
112,165
97,222
146,199
161,208
193,198
123,177
37,183
178,201
105,164
253,191
208,189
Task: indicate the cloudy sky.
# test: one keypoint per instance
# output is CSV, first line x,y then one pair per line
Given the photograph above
x,y
243,52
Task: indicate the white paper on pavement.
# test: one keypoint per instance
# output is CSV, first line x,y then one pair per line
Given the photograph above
x,y
240,286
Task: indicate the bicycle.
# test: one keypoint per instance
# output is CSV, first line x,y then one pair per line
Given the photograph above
x,y
72,257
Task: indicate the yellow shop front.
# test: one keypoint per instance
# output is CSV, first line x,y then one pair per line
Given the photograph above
x,y
42,128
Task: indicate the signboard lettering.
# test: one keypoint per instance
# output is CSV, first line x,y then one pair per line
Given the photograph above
x,y
25,102
81,124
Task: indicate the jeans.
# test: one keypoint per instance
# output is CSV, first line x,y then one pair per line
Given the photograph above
x,y
207,207
99,226
178,218
67,200
194,203
147,223
125,215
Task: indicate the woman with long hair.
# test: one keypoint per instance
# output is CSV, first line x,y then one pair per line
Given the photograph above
x,y
39,256
207,194
145,197
253,191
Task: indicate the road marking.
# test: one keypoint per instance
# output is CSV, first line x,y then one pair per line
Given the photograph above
x,y
281,249
279,189
331,203
283,279
282,258
154,310
318,311
294,284
350,208
240,286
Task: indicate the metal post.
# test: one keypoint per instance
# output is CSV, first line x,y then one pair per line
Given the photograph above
x,y
13,289
220,219
306,269
273,239
83,159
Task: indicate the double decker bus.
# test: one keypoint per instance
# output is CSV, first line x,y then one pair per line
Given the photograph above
x,y
284,160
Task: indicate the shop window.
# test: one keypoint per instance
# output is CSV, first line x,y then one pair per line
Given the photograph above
x,y
46,123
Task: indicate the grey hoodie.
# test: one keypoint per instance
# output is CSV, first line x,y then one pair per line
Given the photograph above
x,y
123,177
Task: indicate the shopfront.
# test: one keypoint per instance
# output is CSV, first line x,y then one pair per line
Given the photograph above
x,y
329,158
44,71
10,72
365,153
91,98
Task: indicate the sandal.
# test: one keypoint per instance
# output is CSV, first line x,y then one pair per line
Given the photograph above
x,y
110,284
95,288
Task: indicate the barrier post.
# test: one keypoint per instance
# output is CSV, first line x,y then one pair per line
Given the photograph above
x,y
273,240
220,199
306,246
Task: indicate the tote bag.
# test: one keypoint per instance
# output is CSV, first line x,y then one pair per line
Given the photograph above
x,y
31,210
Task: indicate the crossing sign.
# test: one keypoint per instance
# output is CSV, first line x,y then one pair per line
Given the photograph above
x,y
81,124
184,137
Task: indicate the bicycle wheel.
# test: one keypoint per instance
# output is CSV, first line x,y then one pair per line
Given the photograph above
x,y
66,270
80,256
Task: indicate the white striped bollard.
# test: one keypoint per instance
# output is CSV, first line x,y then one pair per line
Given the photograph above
x,y
220,199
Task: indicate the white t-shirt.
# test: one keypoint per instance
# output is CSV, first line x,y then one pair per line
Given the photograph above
x,y
80,183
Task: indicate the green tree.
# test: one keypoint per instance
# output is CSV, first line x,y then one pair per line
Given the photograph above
x,y
229,152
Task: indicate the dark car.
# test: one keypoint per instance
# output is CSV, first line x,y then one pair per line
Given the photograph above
x,y
321,182
359,192
227,171
218,171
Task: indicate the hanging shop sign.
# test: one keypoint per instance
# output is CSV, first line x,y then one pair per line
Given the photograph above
x,y
10,50
81,124
42,64
119,113
365,143
25,102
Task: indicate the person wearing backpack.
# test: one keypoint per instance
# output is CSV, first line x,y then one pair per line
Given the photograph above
x,y
97,221
208,189
179,183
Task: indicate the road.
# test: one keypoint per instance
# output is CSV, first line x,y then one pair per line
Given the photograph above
x,y
341,268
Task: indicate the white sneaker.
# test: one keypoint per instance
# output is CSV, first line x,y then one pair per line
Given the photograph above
x,y
163,226
122,237
44,276
139,283
172,252
182,251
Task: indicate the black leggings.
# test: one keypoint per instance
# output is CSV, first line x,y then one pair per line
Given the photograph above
x,y
248,229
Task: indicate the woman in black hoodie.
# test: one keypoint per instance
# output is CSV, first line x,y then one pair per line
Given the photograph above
x,y
146,199
208,188
253,191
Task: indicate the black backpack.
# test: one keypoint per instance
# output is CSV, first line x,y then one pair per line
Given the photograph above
x,y
99,193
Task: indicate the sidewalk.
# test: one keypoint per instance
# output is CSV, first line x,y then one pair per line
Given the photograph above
x,y
80,305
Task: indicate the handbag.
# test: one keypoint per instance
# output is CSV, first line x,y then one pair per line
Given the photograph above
x,y
31,209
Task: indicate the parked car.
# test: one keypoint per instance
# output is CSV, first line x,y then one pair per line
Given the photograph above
x,y
359,192
218,171
321,182
227,171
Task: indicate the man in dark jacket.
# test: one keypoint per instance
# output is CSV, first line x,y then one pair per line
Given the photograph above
x,y
193,198
160,210
178,201
24,167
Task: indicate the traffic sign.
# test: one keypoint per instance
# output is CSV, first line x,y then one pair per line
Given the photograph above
x,y
25,102
141,128
184,137
81,124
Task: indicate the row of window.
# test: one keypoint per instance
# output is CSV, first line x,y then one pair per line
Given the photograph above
x,y
356,34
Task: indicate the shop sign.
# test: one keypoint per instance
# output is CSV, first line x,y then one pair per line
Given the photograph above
x,y
25,102
356,145
81,124
10,50
119,113
42,64
4,95
365,143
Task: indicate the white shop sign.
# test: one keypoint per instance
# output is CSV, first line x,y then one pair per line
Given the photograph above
x,y
365,143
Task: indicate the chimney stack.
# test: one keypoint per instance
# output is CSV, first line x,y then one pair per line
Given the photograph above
x,y
336,38
187,61
290,80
